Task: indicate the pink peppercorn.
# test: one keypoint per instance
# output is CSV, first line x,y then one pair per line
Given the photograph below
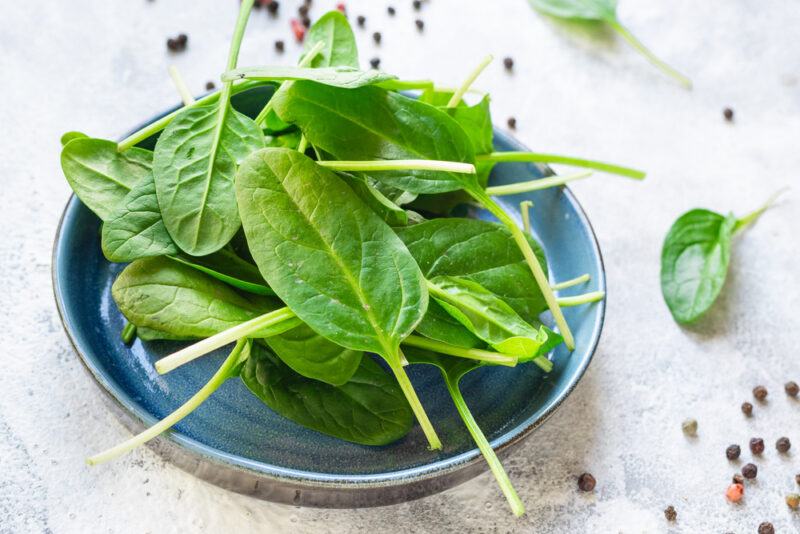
x,y
735,492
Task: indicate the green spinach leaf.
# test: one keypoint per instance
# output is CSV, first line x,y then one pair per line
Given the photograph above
x,y
387,210
227,266
69,136
333,30
340,76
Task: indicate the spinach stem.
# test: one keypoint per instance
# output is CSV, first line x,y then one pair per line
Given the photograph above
x,y
753,216
399,165
536,185
459,94
243,330
573,282
486,449
405,85
413,399
128,333
525,210
496,358
222,374
180,85
535,157
155,127
302,145
586,298
530,258
650,56
304,62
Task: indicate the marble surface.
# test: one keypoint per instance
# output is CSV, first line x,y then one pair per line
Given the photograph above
x,y
100,67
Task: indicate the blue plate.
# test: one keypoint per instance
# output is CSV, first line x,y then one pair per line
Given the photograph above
x,y
236,442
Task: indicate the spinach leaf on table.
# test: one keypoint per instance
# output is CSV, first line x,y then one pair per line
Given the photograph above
x,y
331,259
100,175
368,409
339,76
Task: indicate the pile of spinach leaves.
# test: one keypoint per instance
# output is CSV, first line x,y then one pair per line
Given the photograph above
x,y
318,234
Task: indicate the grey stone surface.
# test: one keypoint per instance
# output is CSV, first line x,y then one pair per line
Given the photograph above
x,y
100,67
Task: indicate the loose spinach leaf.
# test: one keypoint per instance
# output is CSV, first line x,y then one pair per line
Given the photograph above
x,y
370,123
313,356
227,266
694,262
166,296
194,166
604,11
369,409
340,76
333,30
100,175
69,136
135,228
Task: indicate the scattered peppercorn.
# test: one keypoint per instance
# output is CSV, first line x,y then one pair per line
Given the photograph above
x,y
272,7
670,513
733,452
508,63
307,2
210,85
760,393
797,479
512,123
792,389
417,4
306,22
766,528
756,445
377,37
728,114
735,492
793,501
361,19
391,11
689,427
420,24
738,479
747,409
303,10
280,46
750,471
298,29
375,62
783,445
586,482
178,44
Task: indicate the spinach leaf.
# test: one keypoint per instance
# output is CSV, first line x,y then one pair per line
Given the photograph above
x,y
438,324
313,356
100,175
369,409
453,370
340,76
69,136
135,228
333,30
370,123
331,259
387,210
166,296
227,266
605,11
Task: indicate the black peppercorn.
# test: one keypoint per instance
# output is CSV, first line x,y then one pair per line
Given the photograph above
x,y
766,528
210,85
376,37
391,11
172,44
586,482
747,409
417,4
361,19
303,10
183,39
272,7
797,479
177,44
508,63
792,389
760,393
512,123
733,452
420,24
783,445
750,471
756,445
670,513
375,62
738,479
279,46
728,114
306,22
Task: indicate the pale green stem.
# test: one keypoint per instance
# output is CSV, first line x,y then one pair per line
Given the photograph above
x,y
459,94
302,145
586,298
305,62
399,165
486,449
532,261
180,85
536,185
222,374
535,157
394,362
128,333
405,85
652,58
752,217
495,358
525,210
573,282
243,330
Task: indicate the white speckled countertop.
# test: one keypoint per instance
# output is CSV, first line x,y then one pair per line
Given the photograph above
x,y
100,67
